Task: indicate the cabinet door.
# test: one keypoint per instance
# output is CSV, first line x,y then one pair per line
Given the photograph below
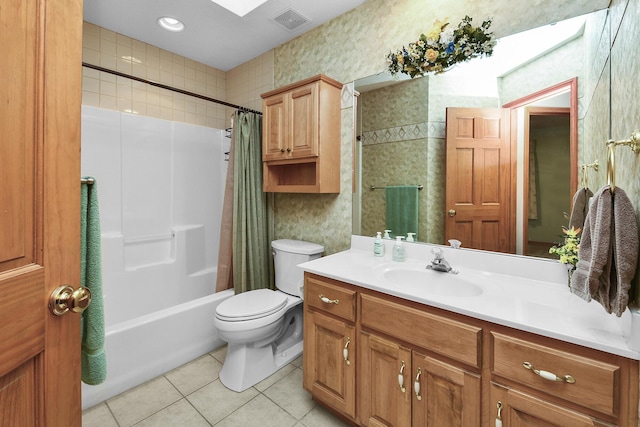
x,y
274,128
519,410
444,395
304,121
329,356
385,382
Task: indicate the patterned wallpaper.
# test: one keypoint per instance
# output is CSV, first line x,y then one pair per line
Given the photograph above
x,y
348,48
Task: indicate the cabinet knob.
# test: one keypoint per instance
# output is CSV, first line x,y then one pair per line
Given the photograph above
x,y
288,150
549,375
416,384
328,301
345,352
401,378
282,150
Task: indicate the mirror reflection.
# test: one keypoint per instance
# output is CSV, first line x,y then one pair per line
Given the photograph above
x,y
402,131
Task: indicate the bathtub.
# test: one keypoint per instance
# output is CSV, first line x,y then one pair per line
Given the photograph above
x,y
160,186
143,348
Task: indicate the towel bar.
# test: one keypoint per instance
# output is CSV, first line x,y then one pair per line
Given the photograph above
x,y
584,178
373,187
632,142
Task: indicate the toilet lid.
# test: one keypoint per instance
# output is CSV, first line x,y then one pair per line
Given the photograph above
x,y
251,305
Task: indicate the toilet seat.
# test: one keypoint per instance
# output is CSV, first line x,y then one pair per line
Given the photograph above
x,y
251,305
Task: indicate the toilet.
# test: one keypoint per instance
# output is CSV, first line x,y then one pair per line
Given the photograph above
x,y
263,327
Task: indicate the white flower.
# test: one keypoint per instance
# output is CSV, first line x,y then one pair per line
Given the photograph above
x,y
446,36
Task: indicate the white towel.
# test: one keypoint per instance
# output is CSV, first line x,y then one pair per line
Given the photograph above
x,y
608,251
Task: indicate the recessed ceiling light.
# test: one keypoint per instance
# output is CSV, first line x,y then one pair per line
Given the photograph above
x,y
171,24
239,7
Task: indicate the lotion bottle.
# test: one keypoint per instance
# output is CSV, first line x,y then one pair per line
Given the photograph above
x,y
378,245
398,250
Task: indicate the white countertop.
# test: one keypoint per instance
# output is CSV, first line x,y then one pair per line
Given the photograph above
x,y
520,292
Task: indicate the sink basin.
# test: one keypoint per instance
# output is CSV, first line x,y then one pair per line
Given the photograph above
x,y
417,277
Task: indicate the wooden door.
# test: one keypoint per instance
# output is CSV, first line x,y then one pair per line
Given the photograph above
x,y
329,361
303,121
274,129
40,97
383,402
522,410
449,396
478,177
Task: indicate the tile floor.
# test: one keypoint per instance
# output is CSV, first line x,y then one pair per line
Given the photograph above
x,y
193,396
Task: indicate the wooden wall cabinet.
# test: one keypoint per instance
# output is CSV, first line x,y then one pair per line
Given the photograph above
x,y
301,137
378,360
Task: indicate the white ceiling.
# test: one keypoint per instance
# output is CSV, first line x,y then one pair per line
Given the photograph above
x,y
213,35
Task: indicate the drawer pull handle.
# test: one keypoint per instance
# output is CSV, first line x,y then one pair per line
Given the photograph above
x,y
401,378
345,352
416,385
549,375
499,416
327,300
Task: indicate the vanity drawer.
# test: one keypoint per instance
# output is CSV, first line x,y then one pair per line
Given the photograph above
x,y
596,383
439,334
329,296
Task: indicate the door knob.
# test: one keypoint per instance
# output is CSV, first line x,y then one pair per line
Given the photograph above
x,y
64,298
452,212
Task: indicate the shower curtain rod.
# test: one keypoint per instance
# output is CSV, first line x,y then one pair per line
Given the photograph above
x,y
171,88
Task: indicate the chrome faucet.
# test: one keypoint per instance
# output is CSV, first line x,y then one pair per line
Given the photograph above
x,y
438,263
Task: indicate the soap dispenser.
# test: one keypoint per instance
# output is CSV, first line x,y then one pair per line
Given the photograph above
x,y
386,235
410,237
378,245
398,250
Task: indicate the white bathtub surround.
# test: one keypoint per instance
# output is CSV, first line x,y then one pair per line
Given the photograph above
x,y
145,347
515,291
161,190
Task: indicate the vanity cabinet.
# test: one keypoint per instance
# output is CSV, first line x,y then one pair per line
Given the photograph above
x,y
330,344
418,365
399,384
301,137
555,384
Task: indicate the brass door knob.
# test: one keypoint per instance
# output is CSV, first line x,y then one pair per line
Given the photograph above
x,y
452,212
64,298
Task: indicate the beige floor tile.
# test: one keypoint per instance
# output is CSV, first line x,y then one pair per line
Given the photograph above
x,y
220,353
298,362
275,377
98,416
259,412
215,401
321,417
180,414
194,375
142,401
289,395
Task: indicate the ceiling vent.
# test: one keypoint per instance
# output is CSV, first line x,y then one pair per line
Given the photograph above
x,y
291,19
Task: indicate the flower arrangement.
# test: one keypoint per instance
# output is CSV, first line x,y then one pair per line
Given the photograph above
x,y
442,48
568,251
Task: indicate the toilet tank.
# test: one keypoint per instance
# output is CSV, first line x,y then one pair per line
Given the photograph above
x,y
287,254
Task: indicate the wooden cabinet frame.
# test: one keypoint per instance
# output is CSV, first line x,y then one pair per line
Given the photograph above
x,y
393,338
301,137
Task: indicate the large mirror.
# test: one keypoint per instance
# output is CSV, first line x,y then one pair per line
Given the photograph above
x,y
401,126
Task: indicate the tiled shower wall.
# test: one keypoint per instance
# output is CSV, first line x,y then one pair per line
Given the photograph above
x,y
241,85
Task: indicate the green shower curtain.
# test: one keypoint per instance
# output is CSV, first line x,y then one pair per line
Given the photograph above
x,y
252,258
